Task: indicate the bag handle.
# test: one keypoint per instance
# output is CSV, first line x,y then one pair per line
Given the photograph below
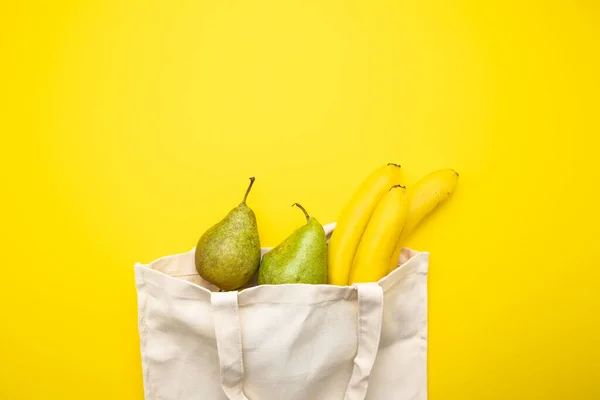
x,y
229,343
370,315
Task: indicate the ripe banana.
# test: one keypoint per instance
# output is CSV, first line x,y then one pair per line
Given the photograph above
x,y
353,220
423,198
372,258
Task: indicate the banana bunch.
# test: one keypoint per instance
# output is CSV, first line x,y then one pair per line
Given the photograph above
x,y
374,224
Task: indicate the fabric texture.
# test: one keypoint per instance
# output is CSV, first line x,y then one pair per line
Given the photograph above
x,y
282,342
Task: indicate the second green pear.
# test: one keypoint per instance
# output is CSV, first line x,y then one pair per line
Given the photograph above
x,y
301,258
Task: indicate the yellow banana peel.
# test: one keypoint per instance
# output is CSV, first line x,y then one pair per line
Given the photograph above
x,y
353,221
377,244
423,197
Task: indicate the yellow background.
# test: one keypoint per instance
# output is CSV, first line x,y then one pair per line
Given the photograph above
x,y
129,127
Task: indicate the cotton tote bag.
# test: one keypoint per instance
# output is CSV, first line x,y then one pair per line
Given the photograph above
x,y
282,342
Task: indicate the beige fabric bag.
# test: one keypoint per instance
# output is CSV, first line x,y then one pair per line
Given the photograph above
x,y
282,342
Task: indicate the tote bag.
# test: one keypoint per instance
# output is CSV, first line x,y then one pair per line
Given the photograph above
x,y
282,342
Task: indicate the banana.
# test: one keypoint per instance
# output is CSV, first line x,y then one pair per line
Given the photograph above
x,y
423,197
353,221
372,258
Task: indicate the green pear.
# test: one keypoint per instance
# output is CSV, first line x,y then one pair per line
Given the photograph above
x,y
228,253
301,258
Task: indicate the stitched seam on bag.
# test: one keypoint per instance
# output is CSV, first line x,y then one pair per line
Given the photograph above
x,y
238,339
423,322
279,303
386,286
360,324
358,345
145,359
237,386
423,332
144,340
171,294
240,383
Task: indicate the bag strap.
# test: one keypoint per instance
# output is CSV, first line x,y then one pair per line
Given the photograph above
x,y
229,343
370,315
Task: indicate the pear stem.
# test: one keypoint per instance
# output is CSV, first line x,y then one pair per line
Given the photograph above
x,y
248,190
303,210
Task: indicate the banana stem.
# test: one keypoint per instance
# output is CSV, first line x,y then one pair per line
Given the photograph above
x,y
303,210
248,190
395,165
398,186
